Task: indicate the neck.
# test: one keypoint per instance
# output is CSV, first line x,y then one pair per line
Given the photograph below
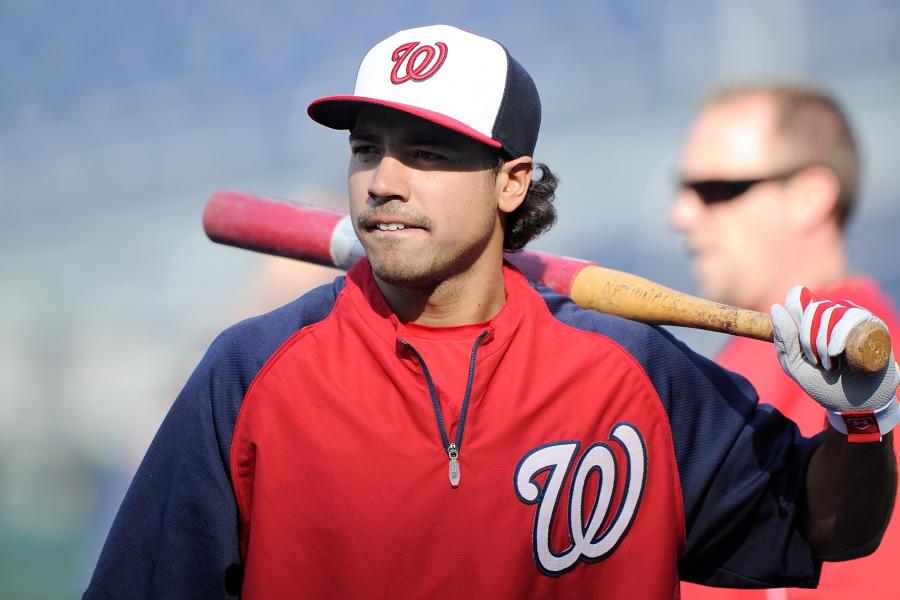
x,y
474,296
817,266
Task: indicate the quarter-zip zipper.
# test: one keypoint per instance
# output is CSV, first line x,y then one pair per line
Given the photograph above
x,y
452,448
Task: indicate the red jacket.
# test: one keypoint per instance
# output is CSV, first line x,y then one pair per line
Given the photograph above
x,y
598,458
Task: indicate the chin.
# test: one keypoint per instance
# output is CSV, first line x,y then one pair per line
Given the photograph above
x,y
427,268
404,275
722,296
713,291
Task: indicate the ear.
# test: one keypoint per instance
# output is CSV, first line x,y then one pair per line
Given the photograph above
x,y
814,196
513,181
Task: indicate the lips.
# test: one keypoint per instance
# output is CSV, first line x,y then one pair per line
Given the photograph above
x,y
392,222
388,226
391,226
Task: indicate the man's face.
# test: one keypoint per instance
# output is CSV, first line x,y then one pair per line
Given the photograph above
x,y
738,244
423,199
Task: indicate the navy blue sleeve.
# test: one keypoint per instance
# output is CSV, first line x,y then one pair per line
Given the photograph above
x,y
742,464
176,533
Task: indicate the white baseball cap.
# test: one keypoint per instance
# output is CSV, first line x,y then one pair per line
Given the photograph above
x,y
448,76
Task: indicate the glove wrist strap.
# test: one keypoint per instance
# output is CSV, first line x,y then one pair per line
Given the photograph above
x,y
866,425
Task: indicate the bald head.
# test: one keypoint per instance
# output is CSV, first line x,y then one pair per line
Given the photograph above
x,y
804,126
734,139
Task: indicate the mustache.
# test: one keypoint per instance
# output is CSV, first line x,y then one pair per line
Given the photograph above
x,y
368,217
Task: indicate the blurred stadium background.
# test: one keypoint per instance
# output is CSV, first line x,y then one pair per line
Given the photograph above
x,y
118,119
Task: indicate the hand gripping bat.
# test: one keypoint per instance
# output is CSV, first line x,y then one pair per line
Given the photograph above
x,y
326,237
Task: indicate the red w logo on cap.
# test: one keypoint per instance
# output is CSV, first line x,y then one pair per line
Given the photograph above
x,y
420,62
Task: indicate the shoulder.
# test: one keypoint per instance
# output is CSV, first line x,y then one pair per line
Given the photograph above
x,y
657,351
706,404
255,339
240,351
215,390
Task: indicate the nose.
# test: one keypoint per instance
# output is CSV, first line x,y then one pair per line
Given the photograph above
x,y
686,211
389,180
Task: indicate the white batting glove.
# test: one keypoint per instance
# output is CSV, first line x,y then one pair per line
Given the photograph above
x,y
809,336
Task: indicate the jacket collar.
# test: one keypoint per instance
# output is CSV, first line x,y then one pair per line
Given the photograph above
x,y
371,305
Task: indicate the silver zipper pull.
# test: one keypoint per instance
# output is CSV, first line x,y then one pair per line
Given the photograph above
x,y
453,453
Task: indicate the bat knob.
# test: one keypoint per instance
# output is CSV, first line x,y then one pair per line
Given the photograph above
x,y
868,348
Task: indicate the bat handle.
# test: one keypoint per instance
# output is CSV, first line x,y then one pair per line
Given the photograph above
x,y
627,295
868,344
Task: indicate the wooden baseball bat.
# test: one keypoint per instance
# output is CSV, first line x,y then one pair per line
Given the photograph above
x,y
326,237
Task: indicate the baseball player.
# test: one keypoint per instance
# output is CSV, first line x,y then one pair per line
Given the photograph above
x,y
432,425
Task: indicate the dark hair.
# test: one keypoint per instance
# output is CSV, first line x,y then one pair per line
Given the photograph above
x,y
815,126
536,214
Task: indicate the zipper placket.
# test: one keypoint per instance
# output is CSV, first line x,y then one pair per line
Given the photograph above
x,y
452,448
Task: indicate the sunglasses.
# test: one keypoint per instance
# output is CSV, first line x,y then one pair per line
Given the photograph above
x,y
713,191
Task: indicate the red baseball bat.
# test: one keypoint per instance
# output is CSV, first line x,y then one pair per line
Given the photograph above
x,y
326,237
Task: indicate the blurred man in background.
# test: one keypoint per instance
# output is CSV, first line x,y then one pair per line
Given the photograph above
x,y
769,178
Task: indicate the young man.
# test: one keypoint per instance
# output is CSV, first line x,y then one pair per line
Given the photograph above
x,y
770,176
433,425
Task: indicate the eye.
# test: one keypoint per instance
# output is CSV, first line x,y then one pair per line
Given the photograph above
x,y
428,155
363,149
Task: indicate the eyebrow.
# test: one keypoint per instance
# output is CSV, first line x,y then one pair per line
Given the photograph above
x,y
364,136
413,139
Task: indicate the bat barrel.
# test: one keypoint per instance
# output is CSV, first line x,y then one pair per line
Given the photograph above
x,y
236,219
